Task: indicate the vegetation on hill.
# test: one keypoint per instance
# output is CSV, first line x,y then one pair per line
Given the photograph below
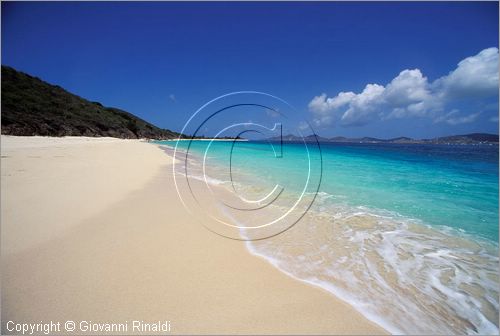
x,y
31,106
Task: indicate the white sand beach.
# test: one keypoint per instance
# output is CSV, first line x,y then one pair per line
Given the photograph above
x,y
92,230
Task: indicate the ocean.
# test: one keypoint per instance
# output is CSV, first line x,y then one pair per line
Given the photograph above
x,y
405,233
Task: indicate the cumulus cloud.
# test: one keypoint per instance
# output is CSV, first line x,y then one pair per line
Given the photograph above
x,y
362,106
410,94
475,76
324,104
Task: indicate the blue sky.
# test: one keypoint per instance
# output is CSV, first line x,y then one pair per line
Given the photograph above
x,y
334,62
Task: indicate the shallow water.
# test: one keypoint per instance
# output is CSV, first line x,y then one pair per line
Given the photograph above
x,y
407,234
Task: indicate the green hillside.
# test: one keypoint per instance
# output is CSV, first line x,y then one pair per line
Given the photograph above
x,y
31,106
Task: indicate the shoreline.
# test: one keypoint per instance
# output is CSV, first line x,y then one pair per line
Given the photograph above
x,y
141,254
380,228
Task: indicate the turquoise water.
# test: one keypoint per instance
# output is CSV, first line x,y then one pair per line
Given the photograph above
x,y
407,234
456,186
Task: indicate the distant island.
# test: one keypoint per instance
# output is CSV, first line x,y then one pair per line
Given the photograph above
x,y
473,138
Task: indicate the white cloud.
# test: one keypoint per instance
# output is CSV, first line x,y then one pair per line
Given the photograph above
x,y
410,94
409,87
322,106
453,118
361,106
272,113
475,76
303,126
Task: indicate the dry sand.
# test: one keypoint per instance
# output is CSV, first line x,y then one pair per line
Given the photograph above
x,y
93,230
